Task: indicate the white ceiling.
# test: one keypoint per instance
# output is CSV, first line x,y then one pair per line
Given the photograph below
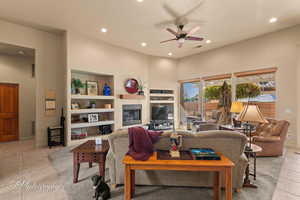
x,y
130,23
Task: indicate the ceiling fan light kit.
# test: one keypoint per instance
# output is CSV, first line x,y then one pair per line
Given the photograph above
x,y
181,36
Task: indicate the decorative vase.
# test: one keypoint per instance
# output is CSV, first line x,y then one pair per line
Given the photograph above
x,y
106,90
141,92
77,90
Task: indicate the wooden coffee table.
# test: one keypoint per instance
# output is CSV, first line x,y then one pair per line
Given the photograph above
x,y
90,153
217,166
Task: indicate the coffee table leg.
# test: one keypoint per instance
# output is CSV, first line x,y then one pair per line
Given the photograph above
x,y
228,183
102,166
128,183
217,185
76,168
132,174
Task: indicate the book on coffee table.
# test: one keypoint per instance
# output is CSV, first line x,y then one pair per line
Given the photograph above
x,y
204,154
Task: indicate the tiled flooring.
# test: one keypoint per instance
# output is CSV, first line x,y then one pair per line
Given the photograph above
x,y
26,174
288,186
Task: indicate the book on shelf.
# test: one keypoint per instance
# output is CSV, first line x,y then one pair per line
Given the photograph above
x,y
204,154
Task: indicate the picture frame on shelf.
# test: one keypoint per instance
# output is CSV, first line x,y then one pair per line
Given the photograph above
x,y
92,88
92,118
75,106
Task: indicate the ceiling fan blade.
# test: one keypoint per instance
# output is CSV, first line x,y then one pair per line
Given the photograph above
x,y
168,40
164,24
171,12
172,31
194,38
193,30
193,9
198,46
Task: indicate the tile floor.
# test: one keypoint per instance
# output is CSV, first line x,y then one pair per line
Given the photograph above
x,y
26,174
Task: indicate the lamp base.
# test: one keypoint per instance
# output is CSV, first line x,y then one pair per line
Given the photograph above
x,y
247,148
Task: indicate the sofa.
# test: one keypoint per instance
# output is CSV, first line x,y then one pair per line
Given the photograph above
x,y
270,137
230,143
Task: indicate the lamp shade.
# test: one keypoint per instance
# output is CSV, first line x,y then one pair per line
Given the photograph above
x,y
251,113
236,107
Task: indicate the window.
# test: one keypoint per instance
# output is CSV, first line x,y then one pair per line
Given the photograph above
x,y
190,105
262,90
200,99
211,98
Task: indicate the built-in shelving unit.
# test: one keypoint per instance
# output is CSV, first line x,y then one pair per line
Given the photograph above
x,y
85,105
162,108
161,101
91,97
92,110
87,124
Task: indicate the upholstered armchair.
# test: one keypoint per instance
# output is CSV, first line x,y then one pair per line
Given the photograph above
x,y
271,136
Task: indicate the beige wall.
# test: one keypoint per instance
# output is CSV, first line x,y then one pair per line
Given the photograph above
x,y
49,69
92,55
298,94
162,75
278,49
17,69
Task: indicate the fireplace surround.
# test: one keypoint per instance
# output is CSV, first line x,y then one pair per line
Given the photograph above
x,y
132,114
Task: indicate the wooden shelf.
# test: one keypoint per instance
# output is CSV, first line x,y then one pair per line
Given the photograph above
x,y
161,101
91,97
92,110
86,124
162,95
131,96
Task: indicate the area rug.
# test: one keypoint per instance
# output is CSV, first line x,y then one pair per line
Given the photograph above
x,y
268,170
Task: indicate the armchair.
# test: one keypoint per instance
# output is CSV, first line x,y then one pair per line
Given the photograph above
x,y
271,137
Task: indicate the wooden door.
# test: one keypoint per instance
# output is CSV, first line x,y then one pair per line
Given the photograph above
x,y
9,112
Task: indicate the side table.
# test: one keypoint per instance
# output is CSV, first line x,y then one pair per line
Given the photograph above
x,y
90,153
231,128
255,149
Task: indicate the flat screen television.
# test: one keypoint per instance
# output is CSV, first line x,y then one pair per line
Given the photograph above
x,y
161,111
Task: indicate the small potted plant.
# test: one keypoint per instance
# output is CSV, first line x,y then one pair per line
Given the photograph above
x,y
77,84
141,88
93,104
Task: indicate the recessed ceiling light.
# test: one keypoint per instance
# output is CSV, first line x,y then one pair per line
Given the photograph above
x,y
139,1
103,30
208,41
170,54
144,44
273,20
21,52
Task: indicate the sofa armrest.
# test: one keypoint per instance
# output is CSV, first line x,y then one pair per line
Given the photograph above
x,y
266,139
240,170
111,165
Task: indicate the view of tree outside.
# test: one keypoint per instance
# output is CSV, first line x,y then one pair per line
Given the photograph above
x,y
267,98
200,100
190,101
212,95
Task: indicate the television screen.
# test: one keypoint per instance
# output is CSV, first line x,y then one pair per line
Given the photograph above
x,y
160,112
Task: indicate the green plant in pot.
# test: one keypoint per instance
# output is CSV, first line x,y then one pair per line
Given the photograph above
x,y
141,87
77,84
93,104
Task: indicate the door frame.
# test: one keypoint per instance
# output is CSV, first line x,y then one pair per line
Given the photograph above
x,y
18,109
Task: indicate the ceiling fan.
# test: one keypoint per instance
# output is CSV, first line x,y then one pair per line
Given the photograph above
x,y
181,36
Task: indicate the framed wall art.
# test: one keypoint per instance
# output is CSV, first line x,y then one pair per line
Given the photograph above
x,y
92,88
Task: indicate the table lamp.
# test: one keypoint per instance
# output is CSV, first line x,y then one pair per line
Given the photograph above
x,y
251,114
236,107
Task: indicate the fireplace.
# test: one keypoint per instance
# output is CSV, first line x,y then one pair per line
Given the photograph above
x,y
132,114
